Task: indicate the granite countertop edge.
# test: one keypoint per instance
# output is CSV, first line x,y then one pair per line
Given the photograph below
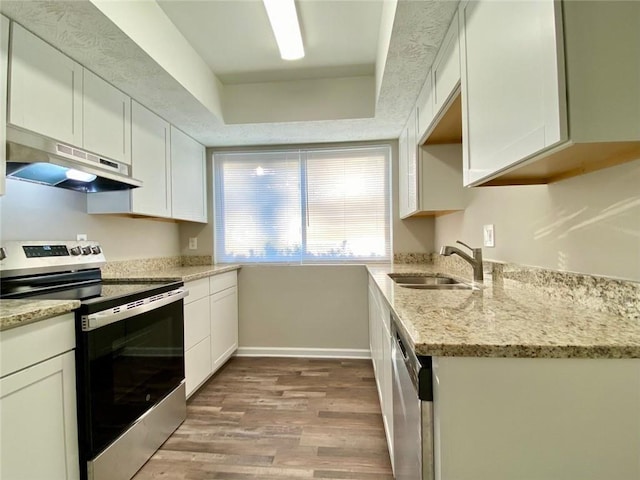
x,y
184,274
15,313
501,321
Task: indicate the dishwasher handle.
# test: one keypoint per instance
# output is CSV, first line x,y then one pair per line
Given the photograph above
x,y
419,367
403,349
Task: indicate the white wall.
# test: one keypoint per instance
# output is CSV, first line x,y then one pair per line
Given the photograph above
x,y
300,100
587,224
36,212
303,306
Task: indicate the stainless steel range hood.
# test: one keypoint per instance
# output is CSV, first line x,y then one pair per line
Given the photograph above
x,y
35,158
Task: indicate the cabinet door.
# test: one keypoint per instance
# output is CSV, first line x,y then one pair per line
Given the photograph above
x,y
4,59
446,67
188,178
224,325
403,154
412,164
38,438
511,83
425,106
45,89
150,162
196,322
106,115
197,365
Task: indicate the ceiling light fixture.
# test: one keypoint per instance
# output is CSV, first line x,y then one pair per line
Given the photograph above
x,y
284,23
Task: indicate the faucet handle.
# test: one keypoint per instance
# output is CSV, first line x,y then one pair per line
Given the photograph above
x,y
462,243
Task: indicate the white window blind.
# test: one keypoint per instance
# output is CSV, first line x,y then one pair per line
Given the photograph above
x,y
315,205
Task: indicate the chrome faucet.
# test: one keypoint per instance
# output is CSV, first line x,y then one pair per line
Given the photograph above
x,y
475,261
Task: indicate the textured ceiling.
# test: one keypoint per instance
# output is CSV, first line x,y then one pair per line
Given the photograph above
x,y
78,29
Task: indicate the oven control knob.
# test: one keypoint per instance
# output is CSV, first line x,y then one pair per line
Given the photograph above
x,y
86,250
96,250
75,251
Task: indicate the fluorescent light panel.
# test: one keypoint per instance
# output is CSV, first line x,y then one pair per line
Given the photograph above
x,y
284,23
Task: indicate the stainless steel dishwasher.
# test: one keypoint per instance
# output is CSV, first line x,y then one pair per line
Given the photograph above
x,y
412,411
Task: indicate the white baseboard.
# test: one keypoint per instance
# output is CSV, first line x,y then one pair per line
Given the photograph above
x,y
303,352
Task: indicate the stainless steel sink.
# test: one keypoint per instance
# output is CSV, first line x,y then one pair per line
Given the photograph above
x,y
422,279
442,286
429,282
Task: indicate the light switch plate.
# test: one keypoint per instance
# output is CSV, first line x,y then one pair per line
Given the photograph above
x,y
489,236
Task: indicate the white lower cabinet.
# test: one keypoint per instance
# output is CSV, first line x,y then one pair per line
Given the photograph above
x,y
38,437
380,344
210,327
197,353
224,325
536,418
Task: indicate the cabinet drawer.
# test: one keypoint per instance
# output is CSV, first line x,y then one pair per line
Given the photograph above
x,y
196,322
197,365
223,281
197,289
33,343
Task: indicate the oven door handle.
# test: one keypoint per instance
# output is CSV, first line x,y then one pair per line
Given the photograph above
x,y
116,314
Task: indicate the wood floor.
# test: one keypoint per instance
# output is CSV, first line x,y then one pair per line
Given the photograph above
x,y
277,418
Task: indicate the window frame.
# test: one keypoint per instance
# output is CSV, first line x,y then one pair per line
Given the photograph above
x,y
302,152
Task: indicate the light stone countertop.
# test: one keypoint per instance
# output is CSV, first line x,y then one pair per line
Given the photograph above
x,y
185,274
15,313
503,320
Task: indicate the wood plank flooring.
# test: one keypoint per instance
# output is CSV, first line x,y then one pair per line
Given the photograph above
x,y
279,418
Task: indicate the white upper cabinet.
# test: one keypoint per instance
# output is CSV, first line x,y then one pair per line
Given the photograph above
x,y
412,164
4,60
446,68
188,178
425,106
45,89
429,176
106,119
150,162
512,77
549,89
172,168
403,152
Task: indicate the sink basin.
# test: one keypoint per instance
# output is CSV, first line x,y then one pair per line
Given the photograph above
x,y
429,282
441,286
423,280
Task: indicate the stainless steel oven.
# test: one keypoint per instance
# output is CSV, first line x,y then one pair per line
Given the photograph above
x,y
130,375
129,351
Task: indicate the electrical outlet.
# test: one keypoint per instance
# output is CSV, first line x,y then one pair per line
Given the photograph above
x,y
193,243
489,236
81,237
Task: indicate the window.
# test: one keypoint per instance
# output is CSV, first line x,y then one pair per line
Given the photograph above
x,y
322,205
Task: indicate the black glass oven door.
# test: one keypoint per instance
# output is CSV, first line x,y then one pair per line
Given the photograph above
x,y
129,366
